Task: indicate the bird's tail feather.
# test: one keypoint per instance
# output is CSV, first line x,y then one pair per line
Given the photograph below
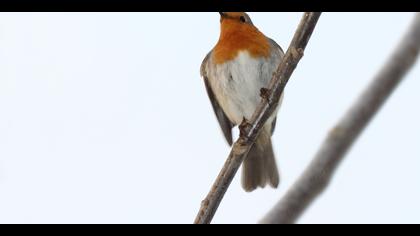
x,y
259,167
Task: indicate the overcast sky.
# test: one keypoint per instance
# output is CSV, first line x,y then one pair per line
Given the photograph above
x,y
104,119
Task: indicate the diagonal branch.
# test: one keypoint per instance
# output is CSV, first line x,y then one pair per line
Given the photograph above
x,y
249,130
318,175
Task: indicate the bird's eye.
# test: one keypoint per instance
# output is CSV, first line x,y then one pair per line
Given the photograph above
x,y
242,19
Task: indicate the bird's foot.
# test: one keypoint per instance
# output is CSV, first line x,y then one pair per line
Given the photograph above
x,y
244,128
265,93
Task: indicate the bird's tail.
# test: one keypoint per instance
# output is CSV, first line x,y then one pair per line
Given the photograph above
x,y
259,167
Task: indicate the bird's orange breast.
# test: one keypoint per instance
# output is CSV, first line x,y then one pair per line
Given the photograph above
x,y
236,37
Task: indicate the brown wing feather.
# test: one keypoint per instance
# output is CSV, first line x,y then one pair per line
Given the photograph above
x,y
273,124
224,121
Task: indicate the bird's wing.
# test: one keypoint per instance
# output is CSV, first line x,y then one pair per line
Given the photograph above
x,y
277,46
224,121
273,124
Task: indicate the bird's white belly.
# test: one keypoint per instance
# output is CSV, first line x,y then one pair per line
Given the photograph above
x,y
237,85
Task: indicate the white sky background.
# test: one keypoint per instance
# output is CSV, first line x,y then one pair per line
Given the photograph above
x,y
104,119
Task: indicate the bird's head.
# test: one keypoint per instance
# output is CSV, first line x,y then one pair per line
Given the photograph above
x,y
237,34
235,18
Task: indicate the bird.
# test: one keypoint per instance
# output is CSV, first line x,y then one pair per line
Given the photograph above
x,y
234,71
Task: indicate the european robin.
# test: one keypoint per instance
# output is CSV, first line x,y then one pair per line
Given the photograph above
x,y
234,71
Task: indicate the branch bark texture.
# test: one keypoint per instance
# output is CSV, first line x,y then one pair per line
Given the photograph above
x,y
249,130
319,173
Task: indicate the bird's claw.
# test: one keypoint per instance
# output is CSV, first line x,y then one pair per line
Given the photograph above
x,y
243,127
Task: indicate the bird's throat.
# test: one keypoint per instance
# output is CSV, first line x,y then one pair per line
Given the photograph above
x,y
236,37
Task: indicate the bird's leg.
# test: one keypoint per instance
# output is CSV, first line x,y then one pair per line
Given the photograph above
x,y
243,128
265,93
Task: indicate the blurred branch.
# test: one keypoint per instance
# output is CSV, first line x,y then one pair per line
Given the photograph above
x,y
318,175
250,129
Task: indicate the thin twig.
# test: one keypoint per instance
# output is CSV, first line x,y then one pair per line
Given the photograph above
x,y
318,175
250,129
